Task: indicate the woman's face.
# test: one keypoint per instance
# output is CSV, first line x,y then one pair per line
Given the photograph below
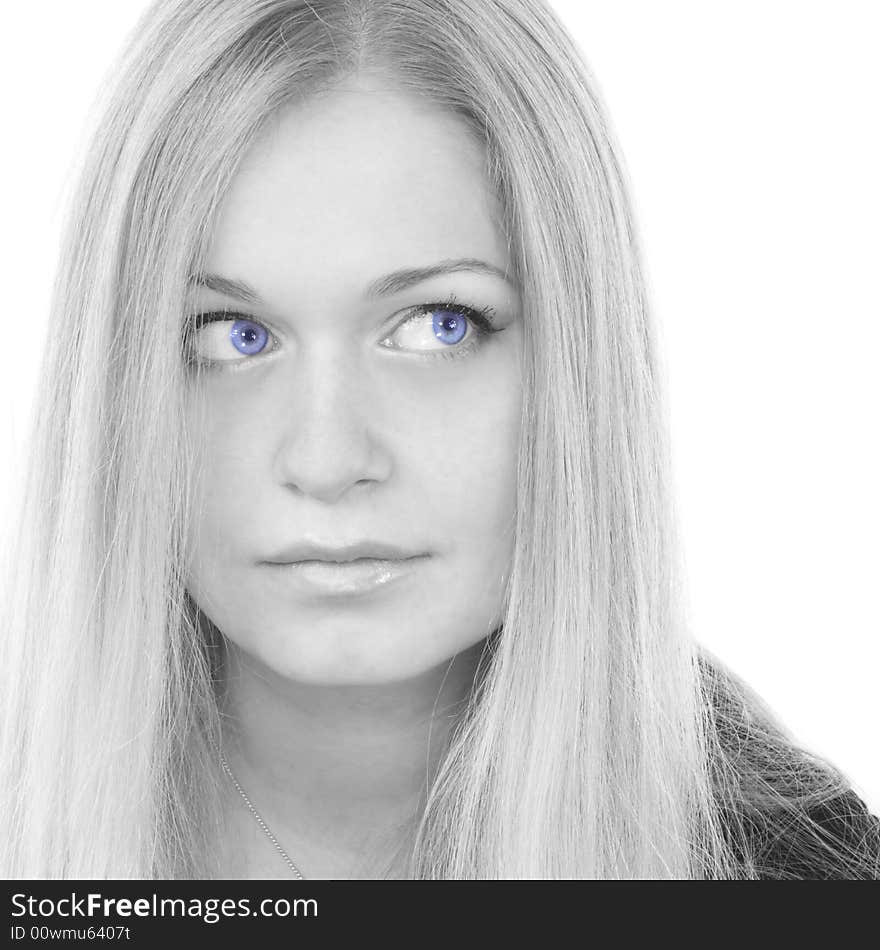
x,y
340,411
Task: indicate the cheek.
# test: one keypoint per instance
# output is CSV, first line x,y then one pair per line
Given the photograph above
x,y
466,457
226,478
469,479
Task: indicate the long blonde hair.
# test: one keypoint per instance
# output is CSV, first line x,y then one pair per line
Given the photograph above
x,y
593,746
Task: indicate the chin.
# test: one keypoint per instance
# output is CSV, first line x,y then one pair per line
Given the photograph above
x,y
361,657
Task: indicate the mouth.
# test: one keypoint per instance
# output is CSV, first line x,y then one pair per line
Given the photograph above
x,y
359,576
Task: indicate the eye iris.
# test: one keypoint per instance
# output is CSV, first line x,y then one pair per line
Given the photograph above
x,y
449,327
248,337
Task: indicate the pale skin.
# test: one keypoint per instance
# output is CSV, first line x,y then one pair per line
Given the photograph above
x,y
338,706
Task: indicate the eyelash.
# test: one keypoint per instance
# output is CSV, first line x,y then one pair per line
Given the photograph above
x,y
479,317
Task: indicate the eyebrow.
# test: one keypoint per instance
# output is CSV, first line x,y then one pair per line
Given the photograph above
x,y
381,287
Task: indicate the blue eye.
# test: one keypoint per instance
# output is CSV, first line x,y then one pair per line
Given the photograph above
x,y
248,337
213,341
450,323
449,326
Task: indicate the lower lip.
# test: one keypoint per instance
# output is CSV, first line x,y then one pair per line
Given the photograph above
x,y
362,576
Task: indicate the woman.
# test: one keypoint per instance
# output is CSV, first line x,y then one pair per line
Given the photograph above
x,y
349,548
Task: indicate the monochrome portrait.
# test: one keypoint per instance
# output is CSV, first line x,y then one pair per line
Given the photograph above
x,y
349,542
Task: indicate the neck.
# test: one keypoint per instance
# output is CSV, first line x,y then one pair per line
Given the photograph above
x,y
339,771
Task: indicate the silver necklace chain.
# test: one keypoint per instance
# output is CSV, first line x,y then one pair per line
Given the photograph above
x,y
293,868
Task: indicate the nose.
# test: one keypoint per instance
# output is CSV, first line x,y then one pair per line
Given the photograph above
x,y
331,428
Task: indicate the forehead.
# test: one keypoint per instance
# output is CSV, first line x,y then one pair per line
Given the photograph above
x,y
354,183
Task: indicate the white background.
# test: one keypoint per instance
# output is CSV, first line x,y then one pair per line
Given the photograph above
x,y
751,138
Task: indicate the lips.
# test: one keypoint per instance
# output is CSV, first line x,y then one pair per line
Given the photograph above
x,y
359,576
312,551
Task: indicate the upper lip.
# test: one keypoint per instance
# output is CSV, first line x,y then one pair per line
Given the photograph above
x,y
312,551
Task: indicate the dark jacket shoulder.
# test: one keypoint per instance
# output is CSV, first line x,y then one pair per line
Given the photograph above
x,y
837,839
